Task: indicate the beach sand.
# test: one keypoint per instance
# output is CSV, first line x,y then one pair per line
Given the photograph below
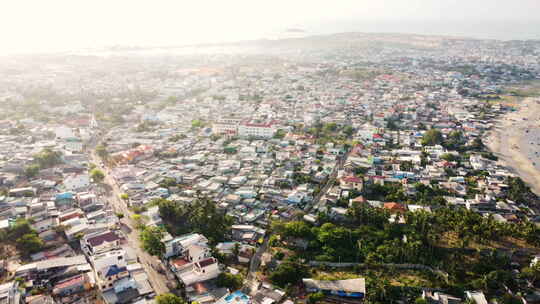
x,y
515,139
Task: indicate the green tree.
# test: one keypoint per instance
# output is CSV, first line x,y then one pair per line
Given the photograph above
x,y
518,190
102,152
151,241
280,134
167,182
348,130
315,297
236,249
31,170
197,123
48,158
288,272
330,127
364,214
29,243
532,273
477,144
449,157
231,281
391,125
137,218
201,215
177,137
124,196
97,175
455,141
420,301
20,228
510,299
432,137
297,229
169,298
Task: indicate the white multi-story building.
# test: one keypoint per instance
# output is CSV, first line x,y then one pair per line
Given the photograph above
x,y
226,126
235,126
256,129
180,245
64,132
117,257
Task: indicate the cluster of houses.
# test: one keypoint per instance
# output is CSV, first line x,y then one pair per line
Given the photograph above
x,y
85,255
189,258
245,133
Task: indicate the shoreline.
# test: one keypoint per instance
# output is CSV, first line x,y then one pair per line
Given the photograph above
x,y
515,140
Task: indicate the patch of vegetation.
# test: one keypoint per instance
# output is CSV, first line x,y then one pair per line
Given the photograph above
x,y
145,126
151,240
462,243
169,298
199,216
432,137
197,123
230,281
23,237
97,175
288,273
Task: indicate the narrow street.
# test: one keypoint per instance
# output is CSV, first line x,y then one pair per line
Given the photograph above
x,y
314,205
251,279
157,280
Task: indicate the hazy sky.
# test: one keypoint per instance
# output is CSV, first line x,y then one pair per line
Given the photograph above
x,y
57,24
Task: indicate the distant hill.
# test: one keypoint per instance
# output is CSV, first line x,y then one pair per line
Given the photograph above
x,y
331,42
352,40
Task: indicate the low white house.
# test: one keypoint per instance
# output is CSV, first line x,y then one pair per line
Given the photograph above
x,y
201,271
45,224
64,132
77,182
180,245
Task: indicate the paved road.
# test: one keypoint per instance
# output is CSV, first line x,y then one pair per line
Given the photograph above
x,y
251,279
315,204
158,281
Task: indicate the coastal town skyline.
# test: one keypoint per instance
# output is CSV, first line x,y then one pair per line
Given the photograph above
x,y
69,25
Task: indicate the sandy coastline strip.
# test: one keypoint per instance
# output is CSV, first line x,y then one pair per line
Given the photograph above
x,y
515,139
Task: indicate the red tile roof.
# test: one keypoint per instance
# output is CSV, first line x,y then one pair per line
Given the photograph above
x,y
76,280
206,262
179,262
359,199
352,179
395,207
70,216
